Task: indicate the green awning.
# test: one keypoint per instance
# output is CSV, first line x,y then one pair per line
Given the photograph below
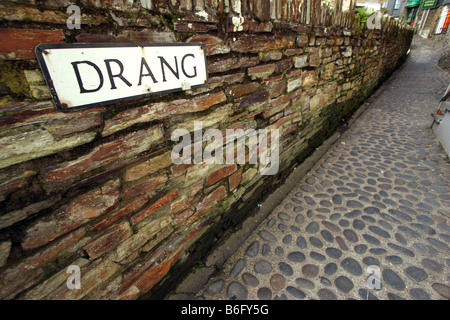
x,y
412,3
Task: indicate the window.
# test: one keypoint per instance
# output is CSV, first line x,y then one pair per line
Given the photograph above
x,y
396,4
384,5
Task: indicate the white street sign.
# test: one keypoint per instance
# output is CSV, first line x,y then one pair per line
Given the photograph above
x,y
82,76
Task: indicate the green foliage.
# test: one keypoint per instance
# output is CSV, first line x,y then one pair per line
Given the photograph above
x,y
361,18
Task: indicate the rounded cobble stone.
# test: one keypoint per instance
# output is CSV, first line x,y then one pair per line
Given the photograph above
x,y
287,239
327,236
300,219
265,250
351,266
296,293
313,227
416,273
285,269
301,242
350,235
393,280
263,267
237,291
341,243
331,226
425,248
380,232
343,283
279,251
264,293
437,243
216,287
330,269
315,242
238,267
317,256
442,289
393,296
394,259
333,253
371,261
424,228
358,224
325,281
432,265
370,239
360,248
344,223
277,281
296,256
250,280
305,283
366,294
400,238
326,294
310,270
253,249
419,294
266,235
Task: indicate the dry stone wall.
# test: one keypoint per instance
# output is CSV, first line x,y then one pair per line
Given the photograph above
x,y
98,189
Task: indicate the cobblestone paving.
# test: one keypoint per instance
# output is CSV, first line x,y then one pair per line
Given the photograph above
x,y
378,203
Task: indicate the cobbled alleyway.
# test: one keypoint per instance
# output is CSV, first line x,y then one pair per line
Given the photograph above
x,y
371,220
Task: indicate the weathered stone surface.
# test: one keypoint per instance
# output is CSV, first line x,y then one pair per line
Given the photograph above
x,y
301,61
13,217
257,43
235,179
159,204
108,239
26,273
107,153
148,167
220,174
139,239
214,45
41,257
44,289
212,199
128,36
117,214
90,205
161,110
144,187
20,43
254,101
5,248
11,182
302,40
240,90
261,71
231,64
37,143
93,277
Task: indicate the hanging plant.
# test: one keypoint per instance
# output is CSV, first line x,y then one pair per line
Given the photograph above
x,y
361,18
